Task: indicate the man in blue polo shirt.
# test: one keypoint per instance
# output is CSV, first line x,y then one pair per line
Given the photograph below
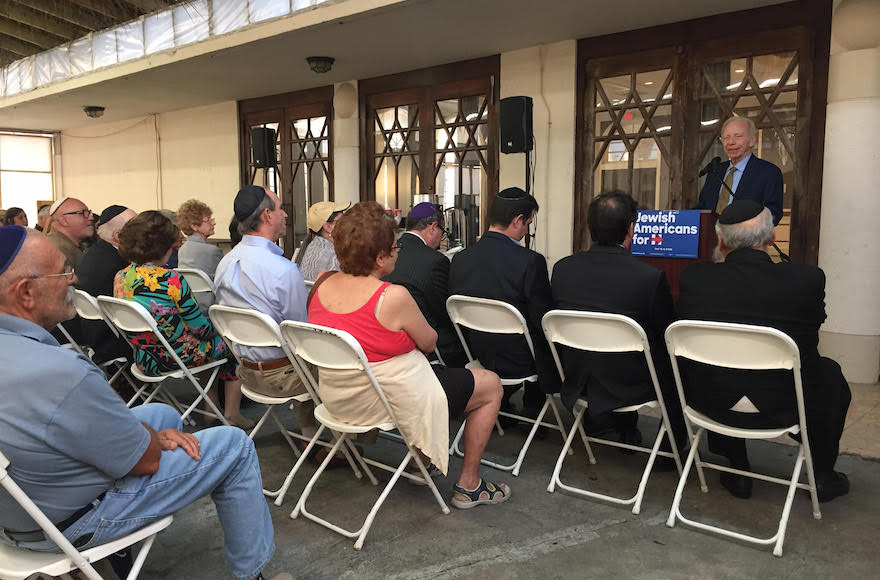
x,y
98,470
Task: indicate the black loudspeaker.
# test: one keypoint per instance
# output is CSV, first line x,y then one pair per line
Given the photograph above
x,y
516,125
263,147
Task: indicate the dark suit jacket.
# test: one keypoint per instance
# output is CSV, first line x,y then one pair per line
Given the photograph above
x,y
499,268
425,273
609,279
749,288
95,274
761,181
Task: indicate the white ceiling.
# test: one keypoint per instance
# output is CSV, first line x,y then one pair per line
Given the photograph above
x,y
383,41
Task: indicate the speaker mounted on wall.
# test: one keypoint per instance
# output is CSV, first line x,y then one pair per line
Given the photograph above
x,y
516,125
263,147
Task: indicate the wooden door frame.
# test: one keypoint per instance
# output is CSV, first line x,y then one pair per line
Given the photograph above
x,y
805,23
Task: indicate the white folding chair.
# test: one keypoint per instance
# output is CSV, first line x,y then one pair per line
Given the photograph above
x,y
497,317
329,348
739,346
129,316
607,333
197,279
18,563
71,343
244,327
87,308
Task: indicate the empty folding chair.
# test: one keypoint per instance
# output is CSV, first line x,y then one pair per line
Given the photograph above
x,y
18,563
739,346
240,326
606,333
130,316
71,343
329,348
497,317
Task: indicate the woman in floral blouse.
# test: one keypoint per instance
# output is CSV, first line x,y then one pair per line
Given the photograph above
x,y
147,240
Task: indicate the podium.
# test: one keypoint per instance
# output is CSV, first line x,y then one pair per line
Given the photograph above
x,y
706,244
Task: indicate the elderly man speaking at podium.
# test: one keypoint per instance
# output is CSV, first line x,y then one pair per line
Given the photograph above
x,y
746,175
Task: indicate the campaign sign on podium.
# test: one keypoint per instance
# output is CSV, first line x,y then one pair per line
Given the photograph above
x,y
667,233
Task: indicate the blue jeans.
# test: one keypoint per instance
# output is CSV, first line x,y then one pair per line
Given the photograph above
x,y
228,470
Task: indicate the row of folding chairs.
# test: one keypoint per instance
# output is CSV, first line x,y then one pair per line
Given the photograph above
x,y
719,344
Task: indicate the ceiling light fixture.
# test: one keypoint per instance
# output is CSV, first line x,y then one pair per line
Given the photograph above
x,y
320,64
93,111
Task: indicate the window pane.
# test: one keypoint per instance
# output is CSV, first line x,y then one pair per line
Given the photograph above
x,y
616,88
24,190
22,153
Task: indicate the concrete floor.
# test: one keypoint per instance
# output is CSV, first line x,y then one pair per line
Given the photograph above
x,y
542,535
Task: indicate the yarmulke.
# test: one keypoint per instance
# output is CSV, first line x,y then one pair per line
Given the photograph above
x,y
423,210
246,201
740,210
11,239
110,213
320,212
57,205
512,194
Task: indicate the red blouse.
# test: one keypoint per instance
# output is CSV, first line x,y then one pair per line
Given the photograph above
x,y
378,342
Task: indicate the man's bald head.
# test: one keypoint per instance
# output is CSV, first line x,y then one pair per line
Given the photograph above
x,y
109,232
31,287
73,219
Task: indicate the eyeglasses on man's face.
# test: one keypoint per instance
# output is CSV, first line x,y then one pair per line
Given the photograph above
x,y
68,272
85,213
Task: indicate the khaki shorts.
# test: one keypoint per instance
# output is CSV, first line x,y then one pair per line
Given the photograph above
x,y
280,382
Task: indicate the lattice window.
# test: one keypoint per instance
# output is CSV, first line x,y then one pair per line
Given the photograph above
x,y
396,135
461,139
310,166
633,125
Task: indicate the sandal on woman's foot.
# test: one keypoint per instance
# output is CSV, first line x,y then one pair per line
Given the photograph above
x,y
418,479
485,493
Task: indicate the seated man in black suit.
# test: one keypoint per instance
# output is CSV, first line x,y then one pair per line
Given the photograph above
x,y
498,267
607,278
747,287
424,271
748,177
95,273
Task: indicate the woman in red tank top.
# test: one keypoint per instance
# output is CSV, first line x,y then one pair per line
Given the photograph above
x,y
391,329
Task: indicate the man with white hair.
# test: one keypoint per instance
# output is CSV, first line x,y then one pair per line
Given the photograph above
x,y
748,177
95,272
42,217
749,288
72,224
97,469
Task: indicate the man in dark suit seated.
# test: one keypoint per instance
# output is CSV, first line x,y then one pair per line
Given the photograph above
x,y
747,287
95,274
607,278
748,177
424,271
498,267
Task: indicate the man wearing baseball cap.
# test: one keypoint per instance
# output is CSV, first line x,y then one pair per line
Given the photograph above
x,y
749,288
424,271
317,253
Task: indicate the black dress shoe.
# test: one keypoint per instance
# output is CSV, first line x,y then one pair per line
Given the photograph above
x,y
832,486
738,485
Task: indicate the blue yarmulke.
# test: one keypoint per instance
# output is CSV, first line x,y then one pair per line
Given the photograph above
x,y
11,239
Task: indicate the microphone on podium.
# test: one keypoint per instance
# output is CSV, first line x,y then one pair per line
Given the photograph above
x,y
711,166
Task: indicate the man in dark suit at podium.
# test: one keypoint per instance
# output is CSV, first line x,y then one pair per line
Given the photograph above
x,y
424,271
607,278
498,267
747,287
749,177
